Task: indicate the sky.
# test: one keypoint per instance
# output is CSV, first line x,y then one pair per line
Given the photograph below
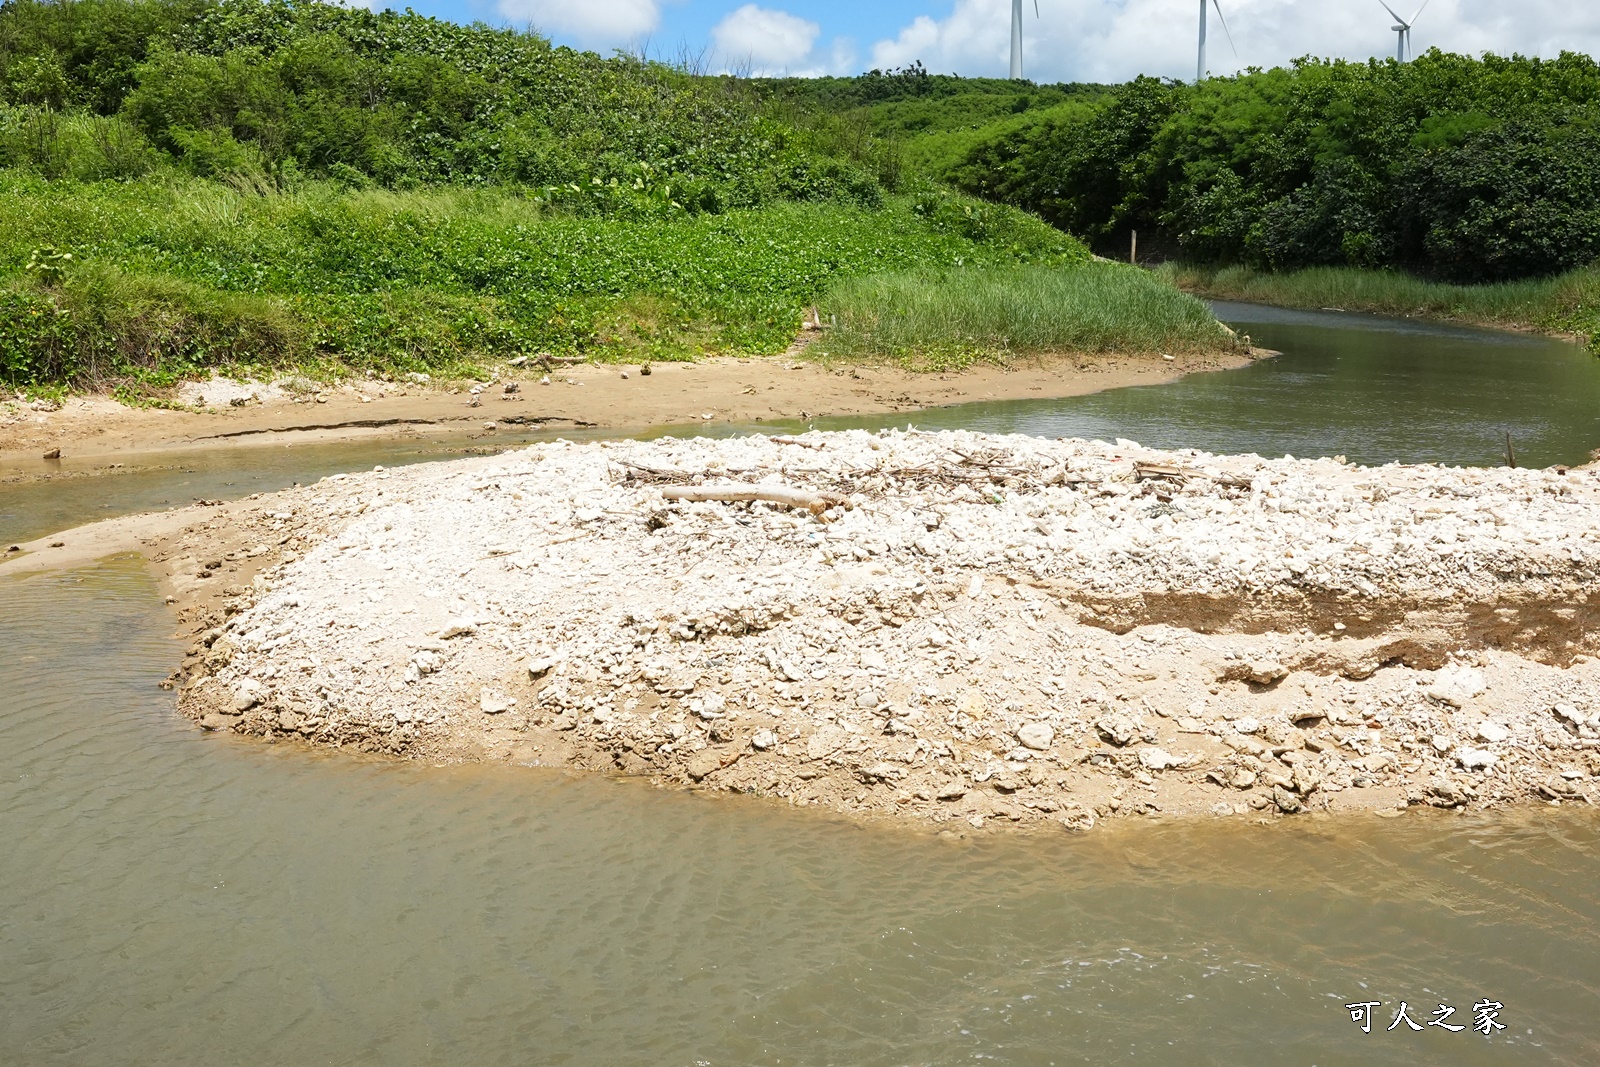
x,y
1069,40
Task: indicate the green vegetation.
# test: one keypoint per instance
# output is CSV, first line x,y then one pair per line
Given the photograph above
x,y
187,184
1467,170
1567,303
919,123
167,278
935,321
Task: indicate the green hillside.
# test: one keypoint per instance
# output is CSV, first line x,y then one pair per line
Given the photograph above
x,y
193,183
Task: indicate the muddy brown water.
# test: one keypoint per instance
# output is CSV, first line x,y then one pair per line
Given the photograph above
x,y
172,897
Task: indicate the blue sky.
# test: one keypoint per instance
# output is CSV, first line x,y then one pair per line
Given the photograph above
x,y
1070,40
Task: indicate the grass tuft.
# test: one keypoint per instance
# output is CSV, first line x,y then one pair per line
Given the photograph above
x,y
952,319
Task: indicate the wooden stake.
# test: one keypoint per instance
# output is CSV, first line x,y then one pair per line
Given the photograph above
x,y
1133,248
1511,453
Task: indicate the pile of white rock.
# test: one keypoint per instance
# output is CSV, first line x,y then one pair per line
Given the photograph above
x,y
931,619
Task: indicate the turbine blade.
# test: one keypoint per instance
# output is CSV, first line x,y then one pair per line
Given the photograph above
x,y
1225,30
1420,10
1036,9
1391,11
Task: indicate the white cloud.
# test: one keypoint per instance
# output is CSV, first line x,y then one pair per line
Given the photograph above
x,y
765,40
1113,40
594,23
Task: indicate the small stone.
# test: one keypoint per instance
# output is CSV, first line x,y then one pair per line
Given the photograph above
x,y
216,721
1475,759
1258,672
494,702
1286,801
1247,725
247,695
764,741
709,706
458,628
703,764
539,667
1492,732
54,453
1117,730
1441,792
1037,736
1243,780
1457,686
1244,743
1156,759
1305,779
868,699
1441,744
1568,713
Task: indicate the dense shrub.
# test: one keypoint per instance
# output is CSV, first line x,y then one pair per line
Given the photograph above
x,y
283,88
1466,169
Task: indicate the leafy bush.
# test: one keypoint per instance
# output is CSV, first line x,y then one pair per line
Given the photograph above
x,y
282,88
1465,169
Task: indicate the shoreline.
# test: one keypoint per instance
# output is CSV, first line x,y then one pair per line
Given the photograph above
x,y
99,436
928,651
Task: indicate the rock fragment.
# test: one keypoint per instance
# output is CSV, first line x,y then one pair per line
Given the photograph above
x,y
1037,736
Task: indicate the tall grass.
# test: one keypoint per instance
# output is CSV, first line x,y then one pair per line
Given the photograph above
x,y
1566,303
951,319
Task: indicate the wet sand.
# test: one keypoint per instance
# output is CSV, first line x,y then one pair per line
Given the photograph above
x,y
97,435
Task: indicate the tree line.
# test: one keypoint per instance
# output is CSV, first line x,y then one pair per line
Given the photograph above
x,y
1453,167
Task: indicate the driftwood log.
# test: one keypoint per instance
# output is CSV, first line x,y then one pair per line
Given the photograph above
x,y
816,503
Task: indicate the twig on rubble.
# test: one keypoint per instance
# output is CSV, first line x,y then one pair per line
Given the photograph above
x,y
816,503
796,441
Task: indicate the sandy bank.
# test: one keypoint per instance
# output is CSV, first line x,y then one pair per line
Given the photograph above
x,y
92,433
994,630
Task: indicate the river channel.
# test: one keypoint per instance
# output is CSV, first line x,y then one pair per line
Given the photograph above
x,y
172,897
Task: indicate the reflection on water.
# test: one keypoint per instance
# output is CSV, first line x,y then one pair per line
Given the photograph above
x,y
178,898
1374,390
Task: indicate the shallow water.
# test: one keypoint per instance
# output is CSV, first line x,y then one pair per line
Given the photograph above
x,y
173,897
1374,390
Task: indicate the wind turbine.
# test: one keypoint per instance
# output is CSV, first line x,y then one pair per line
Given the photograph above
x,y
1200,70
1402,29
1016,37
